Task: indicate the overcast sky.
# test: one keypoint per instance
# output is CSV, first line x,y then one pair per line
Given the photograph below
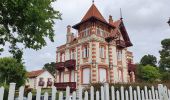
x,y
145,21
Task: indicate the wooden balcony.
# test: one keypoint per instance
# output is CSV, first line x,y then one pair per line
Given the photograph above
x,y
131,67
60,66
63,85
120,44
70,64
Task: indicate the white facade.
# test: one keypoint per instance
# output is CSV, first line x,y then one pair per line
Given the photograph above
x,y
34,82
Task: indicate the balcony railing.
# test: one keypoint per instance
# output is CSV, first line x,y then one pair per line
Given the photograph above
x,y
131,67
120,44
70,64
62,86
60,66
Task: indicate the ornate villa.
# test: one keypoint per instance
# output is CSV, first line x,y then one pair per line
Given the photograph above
x,y
98,53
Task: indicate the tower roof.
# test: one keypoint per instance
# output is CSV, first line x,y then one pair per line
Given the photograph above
x,y
93,12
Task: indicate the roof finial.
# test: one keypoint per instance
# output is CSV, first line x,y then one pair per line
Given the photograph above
x,y
92,1
121,14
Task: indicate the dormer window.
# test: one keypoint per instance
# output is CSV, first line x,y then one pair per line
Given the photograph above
x,y
100,32
85,51
85,32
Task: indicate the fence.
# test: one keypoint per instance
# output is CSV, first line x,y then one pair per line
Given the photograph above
x,y
160,93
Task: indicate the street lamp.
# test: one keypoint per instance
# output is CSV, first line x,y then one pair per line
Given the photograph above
x,y
169,22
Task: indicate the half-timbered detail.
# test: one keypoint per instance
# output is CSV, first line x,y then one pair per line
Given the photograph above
x,y
98,53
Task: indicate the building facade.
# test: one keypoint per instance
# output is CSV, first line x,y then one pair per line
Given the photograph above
x,y
39,78
98,53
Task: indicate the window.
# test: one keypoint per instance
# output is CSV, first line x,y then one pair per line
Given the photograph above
x,y
102,75
85,32
62,57
85,52
102,51
61,76
72,54
86,76
41,82
98,31
119,55
120,76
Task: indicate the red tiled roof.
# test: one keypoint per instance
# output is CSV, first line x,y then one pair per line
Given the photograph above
x,y
34,74
93,12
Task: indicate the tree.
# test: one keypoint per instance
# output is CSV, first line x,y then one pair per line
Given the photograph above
x,y
12,71
50,67
165,54
26,24
150,73
148,60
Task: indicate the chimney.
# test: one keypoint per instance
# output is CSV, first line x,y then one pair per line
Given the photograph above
x,y
69,29
110,19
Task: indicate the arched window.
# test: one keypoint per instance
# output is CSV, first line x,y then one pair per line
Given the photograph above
x,y
86,76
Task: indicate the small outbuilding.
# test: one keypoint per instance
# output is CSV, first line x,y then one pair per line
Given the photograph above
x,y
40,78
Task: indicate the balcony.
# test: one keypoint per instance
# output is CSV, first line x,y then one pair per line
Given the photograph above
x,y
62,86
60,66
120,44
70,64
131,67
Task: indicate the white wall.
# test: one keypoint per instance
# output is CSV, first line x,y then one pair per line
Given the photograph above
x,y
45,76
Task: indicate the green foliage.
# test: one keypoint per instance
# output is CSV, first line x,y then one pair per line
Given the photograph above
x,y
50,67
12,71
150,73
165,54
165,76
148,60
26,22
138,74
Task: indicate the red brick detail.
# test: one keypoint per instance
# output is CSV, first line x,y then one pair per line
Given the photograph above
x,y
93,52
93,48
93,70
93,56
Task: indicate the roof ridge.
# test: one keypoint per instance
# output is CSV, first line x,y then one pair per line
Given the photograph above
x,y
93,12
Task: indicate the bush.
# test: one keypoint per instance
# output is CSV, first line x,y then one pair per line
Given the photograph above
x,y
150,73
165,77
